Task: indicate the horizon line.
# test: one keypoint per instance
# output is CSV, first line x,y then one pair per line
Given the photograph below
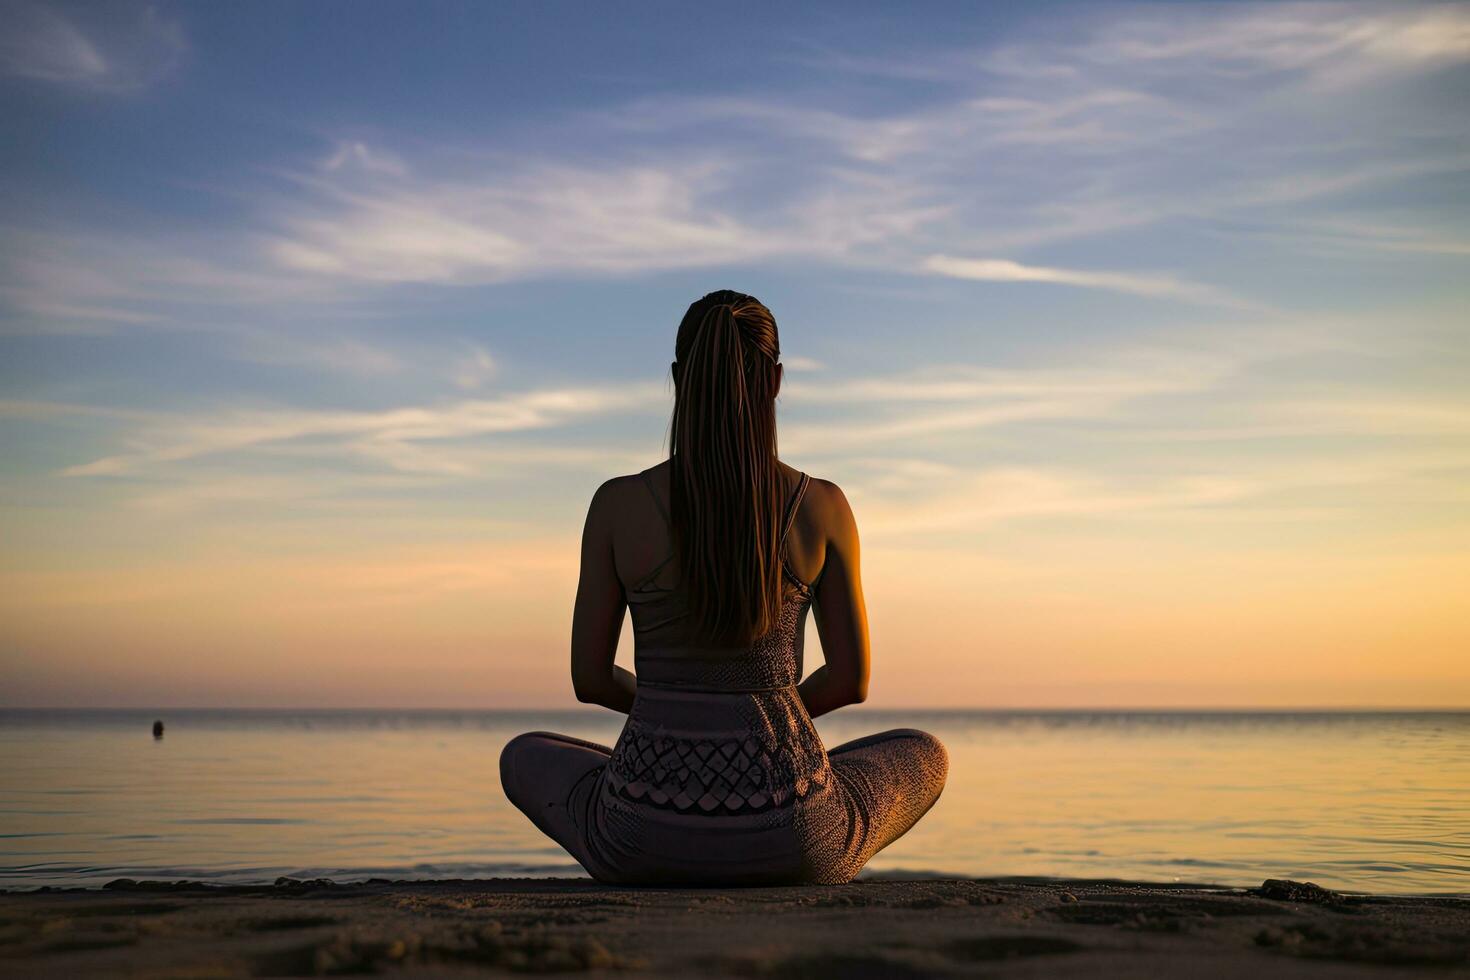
x,y
932,709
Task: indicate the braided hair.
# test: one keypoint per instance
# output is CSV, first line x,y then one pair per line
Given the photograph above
x,y
726,496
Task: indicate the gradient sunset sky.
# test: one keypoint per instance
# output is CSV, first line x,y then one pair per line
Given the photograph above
x,y
1136,336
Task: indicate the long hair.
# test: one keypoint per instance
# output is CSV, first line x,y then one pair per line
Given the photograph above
x,y
726,498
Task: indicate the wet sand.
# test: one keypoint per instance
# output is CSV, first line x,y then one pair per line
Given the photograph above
x,y
872,928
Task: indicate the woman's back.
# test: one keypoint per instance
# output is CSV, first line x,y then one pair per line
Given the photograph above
x,y
749,744
713,732
668,648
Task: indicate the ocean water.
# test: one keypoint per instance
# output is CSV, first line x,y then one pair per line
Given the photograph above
x,y
1375,802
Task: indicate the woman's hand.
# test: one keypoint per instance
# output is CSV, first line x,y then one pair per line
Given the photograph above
x,y
597,616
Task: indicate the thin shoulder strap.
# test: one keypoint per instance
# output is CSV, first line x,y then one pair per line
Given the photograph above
x,y
795,504
648,482
653,572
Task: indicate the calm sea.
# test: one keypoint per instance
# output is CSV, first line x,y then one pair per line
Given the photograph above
x,y
1359,801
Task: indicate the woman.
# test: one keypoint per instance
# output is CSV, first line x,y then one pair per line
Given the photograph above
x,y
719,777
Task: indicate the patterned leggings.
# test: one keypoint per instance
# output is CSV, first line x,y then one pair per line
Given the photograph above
x,y
888,780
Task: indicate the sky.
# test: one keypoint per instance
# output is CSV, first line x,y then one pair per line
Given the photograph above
x,y
1135,335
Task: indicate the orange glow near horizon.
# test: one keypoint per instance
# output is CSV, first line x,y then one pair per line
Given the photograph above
x,y
1078,621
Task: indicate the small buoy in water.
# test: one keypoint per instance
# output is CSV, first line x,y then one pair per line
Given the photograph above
x,y
158,729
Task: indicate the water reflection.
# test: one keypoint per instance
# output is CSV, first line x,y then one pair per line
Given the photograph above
x,y
1371,802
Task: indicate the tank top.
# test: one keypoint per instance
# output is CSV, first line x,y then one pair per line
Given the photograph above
x,y
716,731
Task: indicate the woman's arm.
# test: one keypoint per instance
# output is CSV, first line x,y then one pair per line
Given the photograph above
x,y
597,617
842,617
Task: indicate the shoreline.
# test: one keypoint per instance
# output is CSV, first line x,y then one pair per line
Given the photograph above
x,y
877,926
267,884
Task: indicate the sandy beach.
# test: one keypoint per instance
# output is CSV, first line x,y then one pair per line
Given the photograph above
x,y
871,928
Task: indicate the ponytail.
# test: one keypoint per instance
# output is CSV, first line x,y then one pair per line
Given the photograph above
x,y
725,489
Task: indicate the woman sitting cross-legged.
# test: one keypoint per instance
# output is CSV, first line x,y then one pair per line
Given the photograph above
x,y
719,776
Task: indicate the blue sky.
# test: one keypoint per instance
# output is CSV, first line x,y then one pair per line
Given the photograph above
x,y
1080,303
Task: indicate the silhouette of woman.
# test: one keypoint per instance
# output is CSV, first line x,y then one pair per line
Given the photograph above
x,y
719,776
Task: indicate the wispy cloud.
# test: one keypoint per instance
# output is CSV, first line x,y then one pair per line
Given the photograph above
x,y
948,500
342,354
419,438
922,410
356,154
552,217
1118,374
475,368
1005,270
909,414
1359,42
391,436
67,280
546,216
118,48
1117,120
1368,233
1003,493
11,408
1369,413
1121,118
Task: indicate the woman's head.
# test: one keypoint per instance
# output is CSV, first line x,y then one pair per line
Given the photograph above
x,y
726,492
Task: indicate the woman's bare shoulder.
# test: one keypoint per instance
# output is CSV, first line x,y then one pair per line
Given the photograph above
x,y
825,506
613,496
